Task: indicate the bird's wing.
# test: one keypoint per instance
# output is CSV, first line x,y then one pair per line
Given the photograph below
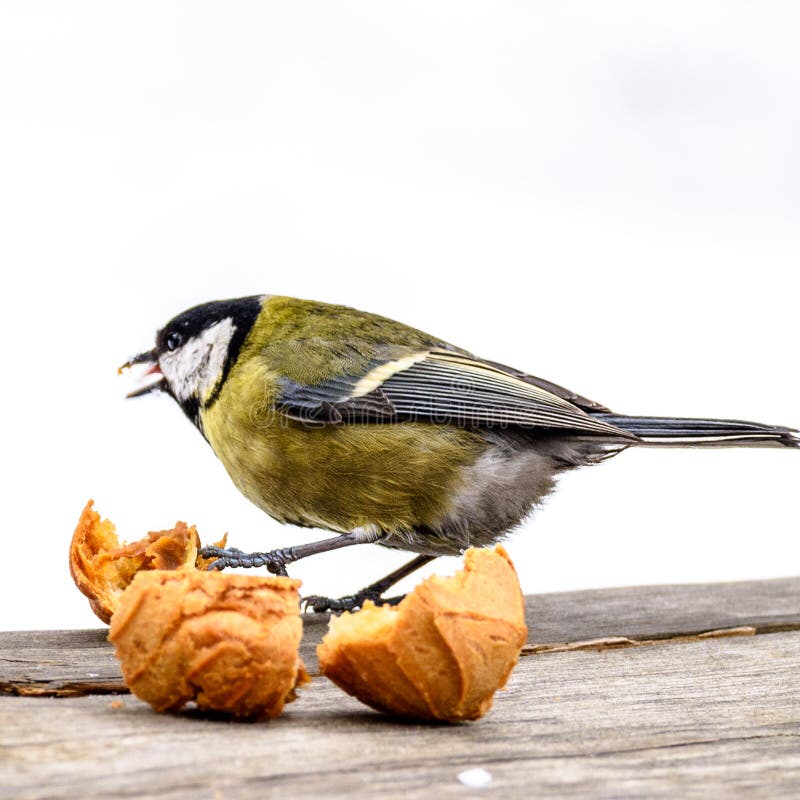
x,y
444,387
565,394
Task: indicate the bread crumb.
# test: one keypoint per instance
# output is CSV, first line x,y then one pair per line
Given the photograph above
x,y
476,778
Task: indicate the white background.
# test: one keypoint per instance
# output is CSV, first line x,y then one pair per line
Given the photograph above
x,y
605,195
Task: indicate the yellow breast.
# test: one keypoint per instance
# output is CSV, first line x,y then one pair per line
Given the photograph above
x,y
392,476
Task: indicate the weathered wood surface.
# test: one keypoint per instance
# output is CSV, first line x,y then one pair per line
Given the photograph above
x,y
76,662
685,716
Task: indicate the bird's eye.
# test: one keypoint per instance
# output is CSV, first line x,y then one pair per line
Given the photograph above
x,y
173,341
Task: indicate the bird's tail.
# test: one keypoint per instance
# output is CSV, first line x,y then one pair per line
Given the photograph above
x,y
676,432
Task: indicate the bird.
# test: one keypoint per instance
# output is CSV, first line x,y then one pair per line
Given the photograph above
x,y
343,420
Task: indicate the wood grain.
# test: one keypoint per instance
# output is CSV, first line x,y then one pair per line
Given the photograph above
x,y
683,716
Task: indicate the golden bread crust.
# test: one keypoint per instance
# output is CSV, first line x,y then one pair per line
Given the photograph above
x,y
227,642
442,652
102,567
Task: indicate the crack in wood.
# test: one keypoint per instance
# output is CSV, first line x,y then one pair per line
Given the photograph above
x,y
619,642
74,689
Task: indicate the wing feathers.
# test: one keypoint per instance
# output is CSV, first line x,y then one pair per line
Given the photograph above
x,y
443,387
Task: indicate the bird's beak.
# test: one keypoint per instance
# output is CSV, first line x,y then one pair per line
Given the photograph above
x,y
150,358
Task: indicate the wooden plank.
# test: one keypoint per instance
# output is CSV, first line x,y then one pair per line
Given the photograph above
x,y
700,717
659,612
62,663
75,662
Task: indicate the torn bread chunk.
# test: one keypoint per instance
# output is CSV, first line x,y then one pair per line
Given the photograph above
x,y
442,652
227,642
102,567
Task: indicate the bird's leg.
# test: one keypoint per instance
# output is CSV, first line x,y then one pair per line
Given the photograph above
x,y
372,592
276,560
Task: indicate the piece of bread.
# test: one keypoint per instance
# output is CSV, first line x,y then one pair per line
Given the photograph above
x,y
442,652
228,642
102,567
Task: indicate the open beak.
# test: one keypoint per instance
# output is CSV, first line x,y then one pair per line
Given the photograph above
x,y
150,358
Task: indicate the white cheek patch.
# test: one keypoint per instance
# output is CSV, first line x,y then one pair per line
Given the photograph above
x,y
194,369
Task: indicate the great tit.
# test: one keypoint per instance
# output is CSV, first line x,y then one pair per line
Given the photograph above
x,y
333,418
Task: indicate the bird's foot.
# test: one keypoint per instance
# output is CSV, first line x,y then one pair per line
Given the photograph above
x,y
275,560
372,592
319,604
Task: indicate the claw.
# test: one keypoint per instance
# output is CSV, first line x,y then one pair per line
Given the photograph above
x,y
320,604
274,561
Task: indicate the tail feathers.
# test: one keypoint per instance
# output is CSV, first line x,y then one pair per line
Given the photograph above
x,y
676,432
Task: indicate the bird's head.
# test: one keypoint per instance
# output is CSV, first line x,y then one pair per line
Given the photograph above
x,y
195,351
